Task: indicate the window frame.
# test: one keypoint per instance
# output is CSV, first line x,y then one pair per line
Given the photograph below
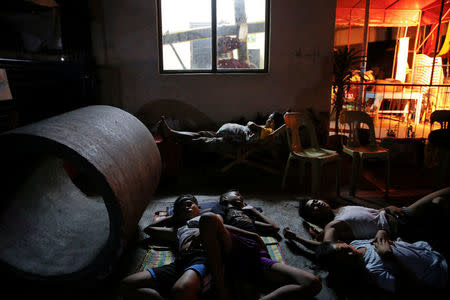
x,y
214,69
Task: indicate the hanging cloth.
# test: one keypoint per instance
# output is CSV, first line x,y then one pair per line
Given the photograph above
x,y
446,44
428,49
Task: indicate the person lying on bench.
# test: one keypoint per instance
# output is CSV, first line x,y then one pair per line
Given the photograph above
x,y
235,212
237,255
181,279
229,132
414,270
348,223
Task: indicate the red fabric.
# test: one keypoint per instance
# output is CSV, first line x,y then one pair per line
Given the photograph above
x,y
430,13
428,48
390,4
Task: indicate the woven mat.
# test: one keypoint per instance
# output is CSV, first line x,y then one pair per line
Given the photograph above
x,y
157,256
274,249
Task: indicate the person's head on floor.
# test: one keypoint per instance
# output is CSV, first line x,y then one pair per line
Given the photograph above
x,y
316,211
345,264
340,257
232,198
186,207
275,120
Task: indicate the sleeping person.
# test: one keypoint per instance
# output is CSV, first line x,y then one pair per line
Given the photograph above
x,y
413,270
348,223
235,212
238,256
229,132
238,261
181,279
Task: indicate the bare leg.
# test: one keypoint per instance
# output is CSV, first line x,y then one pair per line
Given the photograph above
x,y
443,204
418,207
169,133
293,283
187,286
218,242
139,286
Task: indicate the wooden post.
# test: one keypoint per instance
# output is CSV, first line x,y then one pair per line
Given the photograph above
x,y
241,21
415,48
364,54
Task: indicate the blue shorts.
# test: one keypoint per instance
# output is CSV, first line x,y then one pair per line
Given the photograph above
x,y
200,269
166,276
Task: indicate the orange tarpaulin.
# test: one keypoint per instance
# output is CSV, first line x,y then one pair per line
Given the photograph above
x,y
430,13
389,13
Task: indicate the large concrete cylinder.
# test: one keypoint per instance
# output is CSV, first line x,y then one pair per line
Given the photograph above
x,y
73,189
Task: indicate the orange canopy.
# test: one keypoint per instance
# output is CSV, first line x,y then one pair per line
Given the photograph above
x,y
390,13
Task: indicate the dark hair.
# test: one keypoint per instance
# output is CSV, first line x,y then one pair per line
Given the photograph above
x,y
340,277
181,199
221,199
306,214
303,211
325,254
278,119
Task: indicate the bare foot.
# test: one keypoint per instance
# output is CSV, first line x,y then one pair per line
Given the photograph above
x,y
163,129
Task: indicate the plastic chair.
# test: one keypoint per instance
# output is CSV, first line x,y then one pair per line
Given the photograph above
x,y
440,138
360,152
314,155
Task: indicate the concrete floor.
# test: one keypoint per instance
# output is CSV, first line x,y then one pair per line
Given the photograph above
x,y
262,189
200,176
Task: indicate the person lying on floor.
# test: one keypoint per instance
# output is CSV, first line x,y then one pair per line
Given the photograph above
x,y
229,132
348,223
181,279
236,255
248,256
406,269
235,212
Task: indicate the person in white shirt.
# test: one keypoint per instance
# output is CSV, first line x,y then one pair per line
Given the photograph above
x,y
348,223
394,266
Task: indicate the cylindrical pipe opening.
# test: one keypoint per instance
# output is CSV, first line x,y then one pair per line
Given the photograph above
x,y
53,221
74,189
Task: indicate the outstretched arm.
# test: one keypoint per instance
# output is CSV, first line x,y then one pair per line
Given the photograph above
x,y
247,234
338,230
163,229
263,224
278,130
394,211
334,231
310,244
